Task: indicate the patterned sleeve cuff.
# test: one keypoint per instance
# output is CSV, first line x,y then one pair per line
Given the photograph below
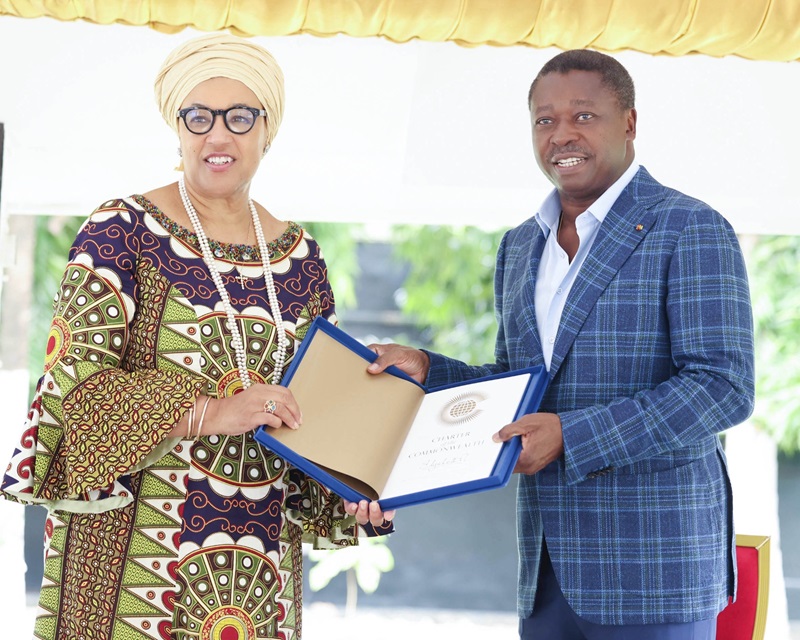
x,y
372,531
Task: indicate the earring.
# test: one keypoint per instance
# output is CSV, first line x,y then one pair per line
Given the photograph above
x,y
180,152
263,153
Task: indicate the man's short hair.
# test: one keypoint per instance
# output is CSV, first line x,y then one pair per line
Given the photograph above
x,y
612,73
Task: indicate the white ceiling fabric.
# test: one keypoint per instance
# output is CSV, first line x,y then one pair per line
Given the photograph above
x,y
381,132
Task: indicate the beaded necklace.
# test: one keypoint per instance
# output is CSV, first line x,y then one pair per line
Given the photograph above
x,y
272,294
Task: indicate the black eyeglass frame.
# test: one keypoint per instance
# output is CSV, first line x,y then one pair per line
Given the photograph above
x,y
182,113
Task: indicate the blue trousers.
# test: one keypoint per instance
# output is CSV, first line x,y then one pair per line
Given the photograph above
x,y
554,619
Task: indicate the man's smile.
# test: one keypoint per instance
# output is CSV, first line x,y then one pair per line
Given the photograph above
x,y
569,162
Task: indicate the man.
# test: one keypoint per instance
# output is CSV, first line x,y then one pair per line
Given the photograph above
x,y
635,297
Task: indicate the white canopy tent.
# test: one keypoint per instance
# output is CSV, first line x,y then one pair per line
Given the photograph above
x,y
381,132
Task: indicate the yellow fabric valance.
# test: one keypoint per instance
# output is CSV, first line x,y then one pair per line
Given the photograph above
x,y
755,29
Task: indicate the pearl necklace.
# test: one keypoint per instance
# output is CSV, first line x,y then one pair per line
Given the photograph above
x,y
272,295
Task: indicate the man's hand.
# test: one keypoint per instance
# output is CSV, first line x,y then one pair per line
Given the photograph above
x,y
542,440
411,361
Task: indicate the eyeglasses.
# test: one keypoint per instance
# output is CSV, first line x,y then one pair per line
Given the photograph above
x,y
238,120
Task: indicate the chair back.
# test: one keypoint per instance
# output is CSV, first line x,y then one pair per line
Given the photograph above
x,y
746,617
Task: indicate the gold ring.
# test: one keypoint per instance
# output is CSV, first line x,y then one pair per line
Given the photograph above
x,y
270,406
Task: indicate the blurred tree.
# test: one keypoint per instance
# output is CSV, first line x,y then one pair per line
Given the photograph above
x,y
54,237
363,565
338,242
450,287
774,265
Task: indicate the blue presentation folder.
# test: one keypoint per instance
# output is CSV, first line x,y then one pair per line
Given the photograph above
x,y
356,425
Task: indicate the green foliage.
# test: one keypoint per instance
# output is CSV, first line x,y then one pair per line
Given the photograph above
x,y
367,561
339,243
450,287
774,266
53,239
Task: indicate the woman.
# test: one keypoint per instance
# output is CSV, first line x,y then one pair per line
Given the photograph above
x,y
177,315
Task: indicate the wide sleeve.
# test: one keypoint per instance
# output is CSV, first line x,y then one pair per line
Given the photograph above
x,y
321,515
105,405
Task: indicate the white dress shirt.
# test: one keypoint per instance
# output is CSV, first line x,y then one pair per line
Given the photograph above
x,y
556,273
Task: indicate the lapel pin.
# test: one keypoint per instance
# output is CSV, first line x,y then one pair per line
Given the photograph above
x,y
639,227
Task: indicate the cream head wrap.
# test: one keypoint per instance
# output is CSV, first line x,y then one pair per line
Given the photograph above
x,y
220,56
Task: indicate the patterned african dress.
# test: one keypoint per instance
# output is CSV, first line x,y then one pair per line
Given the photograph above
x,y
151,537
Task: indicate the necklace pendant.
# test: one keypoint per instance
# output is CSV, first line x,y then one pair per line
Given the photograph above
x,y
242,279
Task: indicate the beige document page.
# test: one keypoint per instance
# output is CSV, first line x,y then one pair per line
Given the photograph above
x,y
354,423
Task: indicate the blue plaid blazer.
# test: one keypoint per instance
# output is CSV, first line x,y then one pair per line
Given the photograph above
x,y
653,359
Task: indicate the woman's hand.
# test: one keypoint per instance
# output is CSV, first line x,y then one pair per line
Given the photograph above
x,y
267,404
368,512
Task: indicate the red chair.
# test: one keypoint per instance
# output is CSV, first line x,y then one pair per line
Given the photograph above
x,y
746,618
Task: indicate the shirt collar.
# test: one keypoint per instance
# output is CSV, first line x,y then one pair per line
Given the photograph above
x,y
550,210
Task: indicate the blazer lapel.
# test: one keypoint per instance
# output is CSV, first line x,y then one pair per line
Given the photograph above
x,y
625,226
528,323
521,257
